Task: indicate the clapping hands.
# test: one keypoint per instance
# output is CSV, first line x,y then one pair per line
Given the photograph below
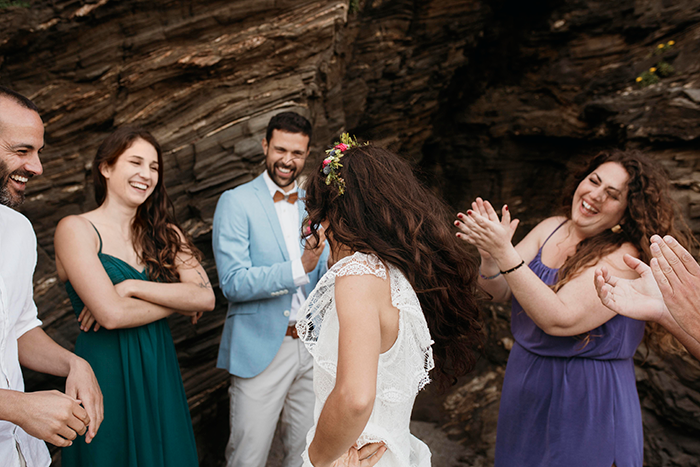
x,y
482,228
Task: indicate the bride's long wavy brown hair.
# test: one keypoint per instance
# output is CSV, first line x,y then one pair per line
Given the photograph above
x,y
387,212
153,233
650,210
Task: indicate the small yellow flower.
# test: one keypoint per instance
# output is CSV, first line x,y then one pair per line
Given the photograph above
x,y
670,43
639,78
661,46
652,69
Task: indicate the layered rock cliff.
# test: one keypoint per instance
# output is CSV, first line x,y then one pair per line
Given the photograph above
x,y
497,99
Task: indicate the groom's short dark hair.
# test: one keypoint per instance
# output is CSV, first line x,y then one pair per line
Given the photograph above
x,y
290,122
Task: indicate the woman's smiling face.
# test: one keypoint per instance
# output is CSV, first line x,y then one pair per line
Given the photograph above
x,y
134,175
600,199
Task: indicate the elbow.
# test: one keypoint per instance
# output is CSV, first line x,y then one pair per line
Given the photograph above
x,y
209,301
113,318
358,403
559,329
110,322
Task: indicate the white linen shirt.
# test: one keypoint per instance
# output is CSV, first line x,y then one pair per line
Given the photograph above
x,y
17,315
288,215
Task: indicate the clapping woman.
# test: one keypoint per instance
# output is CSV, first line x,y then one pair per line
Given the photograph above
x,y
127,266
569,395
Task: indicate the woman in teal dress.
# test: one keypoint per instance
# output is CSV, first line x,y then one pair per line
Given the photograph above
x,y
127,266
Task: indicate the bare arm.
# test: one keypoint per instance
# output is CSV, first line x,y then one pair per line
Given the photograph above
x,y
574,309
192,295
490,279
642,298
350,403
76,252
50,415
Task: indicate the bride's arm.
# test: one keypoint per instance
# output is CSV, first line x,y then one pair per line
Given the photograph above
x,y
350,403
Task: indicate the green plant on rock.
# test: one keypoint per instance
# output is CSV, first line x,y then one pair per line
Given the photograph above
x,y
662,69
4,4
647,78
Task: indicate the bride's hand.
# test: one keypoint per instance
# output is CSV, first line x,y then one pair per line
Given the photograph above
x,y
367,456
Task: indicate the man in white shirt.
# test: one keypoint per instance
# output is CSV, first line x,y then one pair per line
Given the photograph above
x,y
266,273
28,418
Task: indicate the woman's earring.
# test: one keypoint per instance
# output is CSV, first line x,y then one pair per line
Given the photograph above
x,y
616,229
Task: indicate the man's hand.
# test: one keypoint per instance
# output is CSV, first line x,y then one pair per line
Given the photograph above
x,y
81,384
312,251
52,416
678,277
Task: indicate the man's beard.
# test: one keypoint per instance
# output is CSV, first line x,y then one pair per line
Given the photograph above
x,y
281,183
7,198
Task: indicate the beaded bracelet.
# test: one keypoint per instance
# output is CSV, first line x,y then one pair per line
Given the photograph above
x,y
488,278
513,269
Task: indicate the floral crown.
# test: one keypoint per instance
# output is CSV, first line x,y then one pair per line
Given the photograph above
x,y
332,165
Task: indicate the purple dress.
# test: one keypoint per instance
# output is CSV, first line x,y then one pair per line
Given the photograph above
x,y
567,402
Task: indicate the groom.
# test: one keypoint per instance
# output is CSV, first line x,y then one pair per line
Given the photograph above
x,y
266,273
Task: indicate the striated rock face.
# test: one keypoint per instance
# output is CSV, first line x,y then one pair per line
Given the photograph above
x,y
497,99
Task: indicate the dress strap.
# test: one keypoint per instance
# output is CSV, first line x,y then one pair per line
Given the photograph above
x,y
98,235
553,232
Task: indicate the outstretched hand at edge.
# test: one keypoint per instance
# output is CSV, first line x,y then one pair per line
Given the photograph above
x,y
637,298
678,277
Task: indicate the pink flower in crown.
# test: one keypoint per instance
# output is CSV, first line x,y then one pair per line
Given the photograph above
x,y
342,147
326,161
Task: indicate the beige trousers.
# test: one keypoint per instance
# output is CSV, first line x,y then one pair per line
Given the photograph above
x,y
283,391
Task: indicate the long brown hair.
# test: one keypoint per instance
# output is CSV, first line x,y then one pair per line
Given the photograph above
x,y
153,233
650,210
387,212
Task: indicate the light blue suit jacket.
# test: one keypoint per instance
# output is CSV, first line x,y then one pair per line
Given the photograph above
x,y
255,275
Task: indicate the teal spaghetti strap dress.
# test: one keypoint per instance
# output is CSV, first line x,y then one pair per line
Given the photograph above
x,y
146,417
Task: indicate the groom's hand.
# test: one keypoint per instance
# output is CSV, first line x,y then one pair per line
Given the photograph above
x,y
312,251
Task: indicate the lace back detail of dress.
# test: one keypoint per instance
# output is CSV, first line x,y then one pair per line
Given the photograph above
x,y
413,343
361,264
402,370
322,299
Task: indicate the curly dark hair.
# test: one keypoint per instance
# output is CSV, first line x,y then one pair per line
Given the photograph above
x,y
154,231
650,210
387,212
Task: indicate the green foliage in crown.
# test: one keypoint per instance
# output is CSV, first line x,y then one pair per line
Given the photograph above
x,y
331,164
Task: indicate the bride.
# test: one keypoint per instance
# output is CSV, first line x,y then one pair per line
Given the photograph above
x,y
400,283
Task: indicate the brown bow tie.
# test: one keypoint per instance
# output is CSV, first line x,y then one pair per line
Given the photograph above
x,y
291,198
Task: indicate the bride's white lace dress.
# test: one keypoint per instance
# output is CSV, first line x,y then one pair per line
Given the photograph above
x,y
403,369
